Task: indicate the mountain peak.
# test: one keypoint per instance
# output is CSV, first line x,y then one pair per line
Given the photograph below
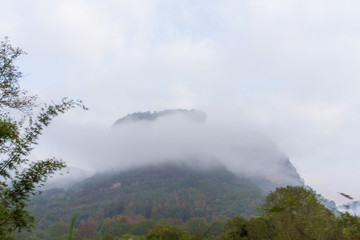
x,y
192,115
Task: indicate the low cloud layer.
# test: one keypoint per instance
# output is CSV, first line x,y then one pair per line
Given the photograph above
x,y
177,138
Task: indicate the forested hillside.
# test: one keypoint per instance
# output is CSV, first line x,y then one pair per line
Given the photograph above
x,y
292,212
165,191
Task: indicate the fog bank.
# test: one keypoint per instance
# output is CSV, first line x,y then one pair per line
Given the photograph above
x,y
171,137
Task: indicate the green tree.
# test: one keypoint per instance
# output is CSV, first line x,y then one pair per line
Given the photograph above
x,y
296,213
350,226
169,232
235,229
197,226
19,133
259,228
108,236
58,229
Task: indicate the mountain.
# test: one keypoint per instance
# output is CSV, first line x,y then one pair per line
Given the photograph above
x,y
185,135
170,190
182,167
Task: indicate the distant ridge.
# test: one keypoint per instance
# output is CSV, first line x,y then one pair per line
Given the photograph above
x,y
192,115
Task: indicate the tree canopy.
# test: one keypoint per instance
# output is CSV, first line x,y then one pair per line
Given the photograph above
x,y
297,213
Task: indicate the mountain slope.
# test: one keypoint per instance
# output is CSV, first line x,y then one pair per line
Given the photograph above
x,y
181,167
164,191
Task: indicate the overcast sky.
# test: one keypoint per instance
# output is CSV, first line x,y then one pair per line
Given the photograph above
x,y
289,69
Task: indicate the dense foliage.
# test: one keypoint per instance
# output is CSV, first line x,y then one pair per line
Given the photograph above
x,y
287,213
166,191
298,213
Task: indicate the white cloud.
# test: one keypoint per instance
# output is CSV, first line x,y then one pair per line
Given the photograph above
x,y
182,98
321,116
188,52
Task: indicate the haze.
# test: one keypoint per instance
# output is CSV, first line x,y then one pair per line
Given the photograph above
x,y
174,138
288,69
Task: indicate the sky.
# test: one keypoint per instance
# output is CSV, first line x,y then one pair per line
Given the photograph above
x,y
288,69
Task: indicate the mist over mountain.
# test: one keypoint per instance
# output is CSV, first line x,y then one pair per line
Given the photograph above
x,y
185,135
67,177
172,164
